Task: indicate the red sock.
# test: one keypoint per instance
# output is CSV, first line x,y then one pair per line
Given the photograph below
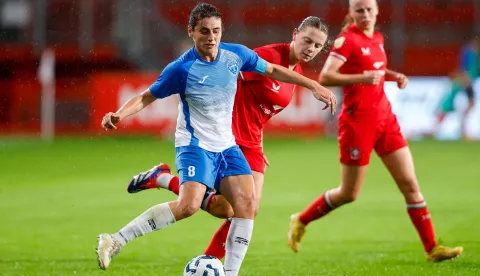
x,y
422,220
317,209
174,185
216,247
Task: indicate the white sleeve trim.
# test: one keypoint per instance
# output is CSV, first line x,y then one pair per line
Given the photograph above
x,y
338,56
241,76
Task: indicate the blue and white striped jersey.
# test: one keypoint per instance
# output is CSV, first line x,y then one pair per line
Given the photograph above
x,y
206,92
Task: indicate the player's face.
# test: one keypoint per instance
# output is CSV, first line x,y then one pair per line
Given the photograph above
x,y
207,35
308,43
364,13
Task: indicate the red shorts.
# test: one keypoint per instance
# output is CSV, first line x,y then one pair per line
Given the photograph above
x,y
358,139
255,158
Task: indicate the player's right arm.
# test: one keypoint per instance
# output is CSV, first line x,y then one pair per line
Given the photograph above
x,y
330,75
132,106
341,51
171,81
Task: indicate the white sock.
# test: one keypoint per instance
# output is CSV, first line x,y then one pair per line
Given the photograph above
x,y
163,180
238,240
155,218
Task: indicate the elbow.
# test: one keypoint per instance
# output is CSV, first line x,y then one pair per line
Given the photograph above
x,y
324,79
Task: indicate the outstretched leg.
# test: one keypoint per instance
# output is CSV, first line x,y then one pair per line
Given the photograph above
x,y
155,218
400,165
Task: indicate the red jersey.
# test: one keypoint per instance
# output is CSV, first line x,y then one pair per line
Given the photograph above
x,y
362,53
259,98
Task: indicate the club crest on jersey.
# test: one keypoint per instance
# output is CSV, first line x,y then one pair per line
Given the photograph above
x,y
365,51
339,42
233,67
354,153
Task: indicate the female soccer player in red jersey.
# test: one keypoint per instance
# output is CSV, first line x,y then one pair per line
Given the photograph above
x,y
258,99
366,122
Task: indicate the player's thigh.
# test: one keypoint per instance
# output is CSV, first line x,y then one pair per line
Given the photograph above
x,y
395,154
219,207
191,194
258,179
239,191
400,165
196,164
390,137
256,159
356,142
236,183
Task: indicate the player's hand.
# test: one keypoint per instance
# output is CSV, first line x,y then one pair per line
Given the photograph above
x,y
325,95
373,77
265,160
402,81
110,120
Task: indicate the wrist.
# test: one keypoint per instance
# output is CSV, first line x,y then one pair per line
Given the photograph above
x,y
120,115
312,85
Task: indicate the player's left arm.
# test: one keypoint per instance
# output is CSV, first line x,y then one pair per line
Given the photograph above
x,y
253,63
400,78
321,93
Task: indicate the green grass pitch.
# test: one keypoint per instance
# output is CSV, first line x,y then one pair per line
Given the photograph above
x,y
56,198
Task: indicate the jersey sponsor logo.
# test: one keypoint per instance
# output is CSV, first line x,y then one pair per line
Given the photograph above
x,y
354,153
233,67
378,64
266,110
339,42
203,79
365,51
275,88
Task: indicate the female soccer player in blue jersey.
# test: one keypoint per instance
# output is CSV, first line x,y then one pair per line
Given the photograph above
x,y
205,79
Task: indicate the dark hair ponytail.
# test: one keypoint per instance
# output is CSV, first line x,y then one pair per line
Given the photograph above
x,y
347,22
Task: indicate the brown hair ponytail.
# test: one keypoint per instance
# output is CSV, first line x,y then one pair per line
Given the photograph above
x,y
347,22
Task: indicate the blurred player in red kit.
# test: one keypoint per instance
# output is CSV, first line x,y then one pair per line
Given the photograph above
x,y
366,122
258,98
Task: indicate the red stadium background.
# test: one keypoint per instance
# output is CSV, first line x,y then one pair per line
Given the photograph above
x,y
101,61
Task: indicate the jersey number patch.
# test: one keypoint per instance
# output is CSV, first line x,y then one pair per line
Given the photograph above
x,y
191,171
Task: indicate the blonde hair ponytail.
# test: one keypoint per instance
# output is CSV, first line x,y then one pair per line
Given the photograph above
x,y
347,22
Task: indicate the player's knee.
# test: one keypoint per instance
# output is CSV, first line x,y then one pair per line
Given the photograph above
x,y
408,184
249,203
245,206
346,197
188,209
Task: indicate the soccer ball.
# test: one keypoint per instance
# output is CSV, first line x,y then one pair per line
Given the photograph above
x,y
204,265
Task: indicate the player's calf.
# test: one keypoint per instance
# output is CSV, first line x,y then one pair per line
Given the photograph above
x,y
217,206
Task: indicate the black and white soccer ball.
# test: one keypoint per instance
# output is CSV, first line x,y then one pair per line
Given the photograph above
x,y
204,265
